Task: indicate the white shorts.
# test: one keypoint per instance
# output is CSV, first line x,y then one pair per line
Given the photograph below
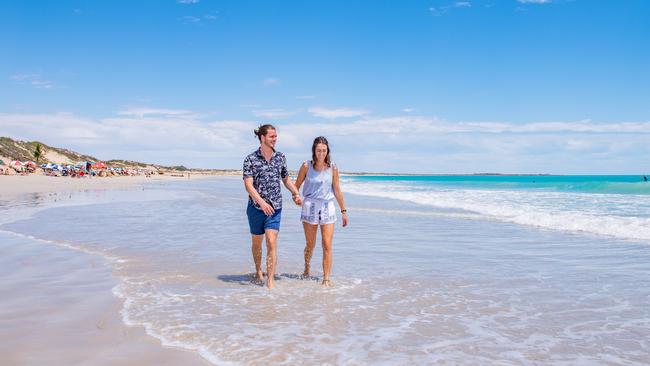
x,y
318,212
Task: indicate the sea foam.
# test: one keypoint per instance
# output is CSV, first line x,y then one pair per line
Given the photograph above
x,y
619,216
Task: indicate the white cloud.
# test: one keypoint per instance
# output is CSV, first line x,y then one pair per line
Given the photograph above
x,y
305,97
34,80
438,11
337,112
274,113
271,81
533,1
191,19
146,111
408,110
188,1
467,147
418,126
444,9
390,144
199,20
153,139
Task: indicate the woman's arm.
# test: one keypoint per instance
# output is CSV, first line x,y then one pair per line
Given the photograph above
x,y
302,173
339,195
295,193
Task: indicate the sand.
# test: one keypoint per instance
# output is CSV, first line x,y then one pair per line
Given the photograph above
x,y
14,185
56,304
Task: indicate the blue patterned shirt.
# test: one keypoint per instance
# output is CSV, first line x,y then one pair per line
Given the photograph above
x,y
267,176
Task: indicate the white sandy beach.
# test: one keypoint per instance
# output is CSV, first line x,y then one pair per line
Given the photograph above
x,y
414,283
14,185
57,307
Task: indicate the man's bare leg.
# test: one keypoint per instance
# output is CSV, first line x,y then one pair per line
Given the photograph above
x,y
271,258
327,232
257,256
310,242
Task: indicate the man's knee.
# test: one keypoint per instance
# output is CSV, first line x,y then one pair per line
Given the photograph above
x,y
271,241
257,239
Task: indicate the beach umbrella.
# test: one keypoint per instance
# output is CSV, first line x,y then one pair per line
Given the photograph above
x,y
99,165
17,166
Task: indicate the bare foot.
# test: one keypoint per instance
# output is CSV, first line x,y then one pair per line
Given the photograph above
x,y
327,283
270,284
259,276
305,275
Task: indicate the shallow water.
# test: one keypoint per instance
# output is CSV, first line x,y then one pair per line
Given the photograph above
x,y
414,283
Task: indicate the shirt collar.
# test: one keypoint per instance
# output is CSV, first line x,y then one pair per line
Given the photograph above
x,y
259,153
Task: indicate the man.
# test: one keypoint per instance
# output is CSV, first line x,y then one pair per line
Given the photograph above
x,y
263,170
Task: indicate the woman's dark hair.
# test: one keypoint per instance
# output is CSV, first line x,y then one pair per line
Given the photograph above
x,y
263,130
320,140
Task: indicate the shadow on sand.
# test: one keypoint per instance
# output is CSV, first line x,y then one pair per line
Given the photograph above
x,y
249,278
242,279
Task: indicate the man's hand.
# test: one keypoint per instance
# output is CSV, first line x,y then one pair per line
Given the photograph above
x,y
266,208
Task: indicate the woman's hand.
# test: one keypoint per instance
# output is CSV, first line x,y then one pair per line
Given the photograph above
x,y
344,220
296,199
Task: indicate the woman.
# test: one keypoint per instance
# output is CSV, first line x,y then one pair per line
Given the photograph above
x,y
321,178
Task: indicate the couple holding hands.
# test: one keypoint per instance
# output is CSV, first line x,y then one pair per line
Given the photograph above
x,y
264,169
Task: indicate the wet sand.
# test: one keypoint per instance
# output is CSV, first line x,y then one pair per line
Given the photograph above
x,y
57,305
15,185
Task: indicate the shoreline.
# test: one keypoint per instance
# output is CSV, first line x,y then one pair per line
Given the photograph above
x,y
186,285
14,186
61,301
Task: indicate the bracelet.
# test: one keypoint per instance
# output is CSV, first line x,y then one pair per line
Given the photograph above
x,y
344,211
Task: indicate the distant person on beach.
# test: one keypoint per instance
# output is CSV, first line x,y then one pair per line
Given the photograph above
x,y
321,178
645,179
264,168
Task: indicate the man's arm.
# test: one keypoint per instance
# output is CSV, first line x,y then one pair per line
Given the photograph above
x,y
268,209
295,194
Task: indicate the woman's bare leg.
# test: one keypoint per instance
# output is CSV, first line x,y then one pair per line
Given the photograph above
x,y
310,242
327,233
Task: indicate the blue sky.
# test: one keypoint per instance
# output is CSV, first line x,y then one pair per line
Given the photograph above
x,y
510,86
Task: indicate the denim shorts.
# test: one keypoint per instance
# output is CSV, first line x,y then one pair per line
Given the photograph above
x,y
259,222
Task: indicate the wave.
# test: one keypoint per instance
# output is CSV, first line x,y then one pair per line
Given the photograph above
x,y
586,184
618,216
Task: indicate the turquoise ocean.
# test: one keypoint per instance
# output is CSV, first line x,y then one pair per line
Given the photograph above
x,y
455,270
